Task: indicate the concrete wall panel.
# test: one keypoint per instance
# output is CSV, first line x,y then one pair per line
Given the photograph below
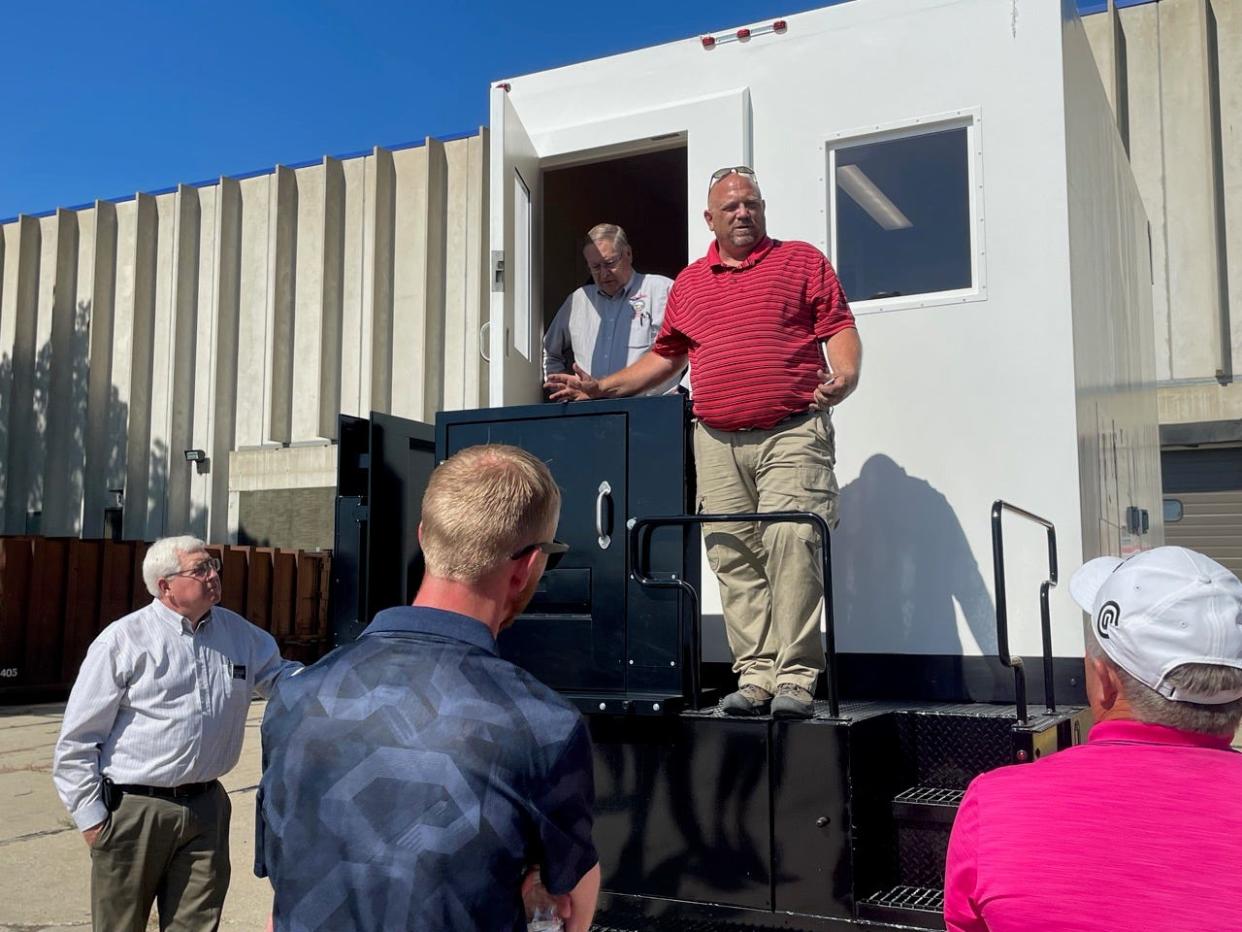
x,y
17,346
140,453
61,367
1180,62
241,315
252,342
103,437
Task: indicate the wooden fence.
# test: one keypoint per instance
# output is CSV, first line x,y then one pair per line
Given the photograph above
x,y
56,594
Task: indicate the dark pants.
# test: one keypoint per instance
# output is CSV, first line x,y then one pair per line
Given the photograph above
x,y
171,852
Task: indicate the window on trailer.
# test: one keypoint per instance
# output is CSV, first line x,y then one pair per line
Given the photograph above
x,y
903,214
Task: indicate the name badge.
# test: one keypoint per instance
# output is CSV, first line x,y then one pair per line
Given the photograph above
x,y
239,671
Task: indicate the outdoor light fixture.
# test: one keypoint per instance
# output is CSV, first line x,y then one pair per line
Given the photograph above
x,y
195,456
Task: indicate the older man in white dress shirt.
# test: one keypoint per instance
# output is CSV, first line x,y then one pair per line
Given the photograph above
x,y
604,326
155,717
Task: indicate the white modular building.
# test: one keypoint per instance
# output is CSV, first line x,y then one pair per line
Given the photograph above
x,y
959,163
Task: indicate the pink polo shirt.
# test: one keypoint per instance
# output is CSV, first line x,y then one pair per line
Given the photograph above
x,y
1138,829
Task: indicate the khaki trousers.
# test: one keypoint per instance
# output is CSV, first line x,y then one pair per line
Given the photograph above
x,y
770,575
173,852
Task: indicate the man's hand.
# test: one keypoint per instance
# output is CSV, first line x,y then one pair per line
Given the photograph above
x,y
575,386
833,388
90,835
535,895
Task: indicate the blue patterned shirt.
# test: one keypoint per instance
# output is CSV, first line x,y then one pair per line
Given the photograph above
x,y
411,777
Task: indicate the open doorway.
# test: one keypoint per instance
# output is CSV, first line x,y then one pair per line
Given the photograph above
x,y
644,194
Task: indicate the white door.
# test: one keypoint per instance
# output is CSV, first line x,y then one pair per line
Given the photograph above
x,y
516,321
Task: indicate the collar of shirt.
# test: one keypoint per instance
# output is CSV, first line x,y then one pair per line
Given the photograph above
x,y
414,619
762,248
164,613
628,289
1130,731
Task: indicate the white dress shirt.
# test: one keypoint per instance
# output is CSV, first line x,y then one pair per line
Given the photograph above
x,y
161,703
603,334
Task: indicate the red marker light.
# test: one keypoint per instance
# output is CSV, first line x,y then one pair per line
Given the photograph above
x,y
504,86
743,33
779,26
708,42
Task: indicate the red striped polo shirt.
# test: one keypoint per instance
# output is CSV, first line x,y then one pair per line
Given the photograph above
x,y
752,331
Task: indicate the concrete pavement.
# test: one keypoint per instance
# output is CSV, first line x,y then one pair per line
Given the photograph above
x,y
44,865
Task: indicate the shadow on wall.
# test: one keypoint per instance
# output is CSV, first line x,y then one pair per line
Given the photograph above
x,y
901,563
29,428
65,456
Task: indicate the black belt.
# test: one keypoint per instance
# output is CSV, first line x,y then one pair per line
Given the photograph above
x,y
184,791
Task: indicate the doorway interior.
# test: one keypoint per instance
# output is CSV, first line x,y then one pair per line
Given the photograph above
x,y
645,194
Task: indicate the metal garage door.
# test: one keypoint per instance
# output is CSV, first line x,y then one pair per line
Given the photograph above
x,y
1205,486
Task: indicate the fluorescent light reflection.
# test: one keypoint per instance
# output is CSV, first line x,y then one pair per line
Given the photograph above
x,y
854,182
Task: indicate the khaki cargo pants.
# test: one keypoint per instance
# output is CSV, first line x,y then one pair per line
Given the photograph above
x,y
173,852
770,575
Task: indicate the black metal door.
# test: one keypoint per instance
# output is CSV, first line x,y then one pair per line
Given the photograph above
x,y
573,634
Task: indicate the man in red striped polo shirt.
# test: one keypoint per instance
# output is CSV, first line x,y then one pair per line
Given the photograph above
x,y
753,317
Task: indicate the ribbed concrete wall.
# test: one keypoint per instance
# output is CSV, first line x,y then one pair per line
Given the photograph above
x,y
1173,69
238,318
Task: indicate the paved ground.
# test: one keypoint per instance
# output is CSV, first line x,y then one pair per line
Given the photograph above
x,y
44,865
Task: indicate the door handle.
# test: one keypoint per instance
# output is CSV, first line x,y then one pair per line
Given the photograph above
x,y
485,336
603,515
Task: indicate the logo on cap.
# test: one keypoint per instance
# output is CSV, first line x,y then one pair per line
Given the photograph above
x,y
1110,612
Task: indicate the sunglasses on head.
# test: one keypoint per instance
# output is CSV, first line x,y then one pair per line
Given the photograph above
x,y
553,548
726,172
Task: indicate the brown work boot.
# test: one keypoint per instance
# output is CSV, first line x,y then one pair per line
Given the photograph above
x,y
748,700
792,702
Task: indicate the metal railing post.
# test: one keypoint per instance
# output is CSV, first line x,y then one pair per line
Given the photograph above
x,y
639,573
999,507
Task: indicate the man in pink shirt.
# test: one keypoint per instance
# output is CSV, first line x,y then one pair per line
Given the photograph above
x,y
1141,827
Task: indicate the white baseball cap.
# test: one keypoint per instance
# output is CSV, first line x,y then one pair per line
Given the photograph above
x,y
1160,609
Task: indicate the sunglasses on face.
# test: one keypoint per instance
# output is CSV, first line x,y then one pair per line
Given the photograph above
x,y
553,548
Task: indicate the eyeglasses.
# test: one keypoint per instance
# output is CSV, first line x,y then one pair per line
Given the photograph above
x,y
201,570
553,548
609,264
726,172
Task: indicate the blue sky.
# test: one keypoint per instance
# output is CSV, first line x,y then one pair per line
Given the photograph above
x,y
103,100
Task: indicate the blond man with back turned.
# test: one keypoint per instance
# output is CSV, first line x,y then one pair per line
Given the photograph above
x,y
414,776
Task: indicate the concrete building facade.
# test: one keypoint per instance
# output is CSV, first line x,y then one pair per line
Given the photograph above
x,y
176,362
238,318
1173,73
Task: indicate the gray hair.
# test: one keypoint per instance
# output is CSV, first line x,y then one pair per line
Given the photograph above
x,y
164,559
610,232
1149,706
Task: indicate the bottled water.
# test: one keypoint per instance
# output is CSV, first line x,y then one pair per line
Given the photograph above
x,y
545,919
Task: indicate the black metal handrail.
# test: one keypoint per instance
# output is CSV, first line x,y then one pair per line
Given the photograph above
x,y
640,527
999,507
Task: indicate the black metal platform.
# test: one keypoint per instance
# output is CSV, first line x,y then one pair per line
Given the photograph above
x,y
816,824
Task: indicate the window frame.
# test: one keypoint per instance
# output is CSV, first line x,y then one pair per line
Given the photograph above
x,y
968,118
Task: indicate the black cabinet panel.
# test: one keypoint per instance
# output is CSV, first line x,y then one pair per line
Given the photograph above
x,y
591,629
583,649
682,808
